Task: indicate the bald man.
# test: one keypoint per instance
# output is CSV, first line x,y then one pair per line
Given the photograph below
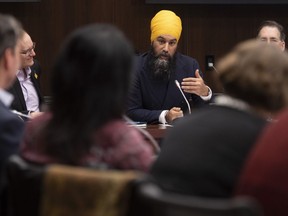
x,y
154,96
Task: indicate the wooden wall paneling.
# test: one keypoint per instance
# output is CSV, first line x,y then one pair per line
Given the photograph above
x,y
133,17
101,11
207,29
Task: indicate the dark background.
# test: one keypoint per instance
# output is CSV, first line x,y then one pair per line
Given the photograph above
x,y
207,29
217,1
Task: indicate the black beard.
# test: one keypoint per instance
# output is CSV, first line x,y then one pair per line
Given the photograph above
x,y
161,68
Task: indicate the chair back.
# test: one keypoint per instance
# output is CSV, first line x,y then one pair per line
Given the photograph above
x,y
153,201
24,186
76,191
58,190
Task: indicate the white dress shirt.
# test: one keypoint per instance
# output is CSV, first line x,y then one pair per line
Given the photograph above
x,y
28,89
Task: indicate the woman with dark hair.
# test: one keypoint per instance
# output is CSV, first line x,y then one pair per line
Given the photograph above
x,y
84,126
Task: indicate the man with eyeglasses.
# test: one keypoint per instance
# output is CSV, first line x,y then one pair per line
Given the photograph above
x,y
26,88
154,96
272,32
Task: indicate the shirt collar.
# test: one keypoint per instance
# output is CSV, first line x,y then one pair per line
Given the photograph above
x,y
225,100
20,73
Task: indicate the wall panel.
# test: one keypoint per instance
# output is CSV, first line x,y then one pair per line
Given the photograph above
x,y
207,29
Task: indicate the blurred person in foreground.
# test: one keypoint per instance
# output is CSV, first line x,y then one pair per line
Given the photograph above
x,y
204,153
154,97
85,127
265,175
11,126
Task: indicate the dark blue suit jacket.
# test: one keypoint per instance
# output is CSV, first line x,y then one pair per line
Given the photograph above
x,y
150,96
11,131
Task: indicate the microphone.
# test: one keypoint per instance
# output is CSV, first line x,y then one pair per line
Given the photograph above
x,y
20,114
178,85
211,65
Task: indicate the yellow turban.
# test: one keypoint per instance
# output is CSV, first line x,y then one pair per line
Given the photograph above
x,y
165,22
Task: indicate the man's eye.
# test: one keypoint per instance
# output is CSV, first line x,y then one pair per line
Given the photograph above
x,y
172,43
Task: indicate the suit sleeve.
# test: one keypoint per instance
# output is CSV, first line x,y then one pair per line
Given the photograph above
x,y
136,110
11,131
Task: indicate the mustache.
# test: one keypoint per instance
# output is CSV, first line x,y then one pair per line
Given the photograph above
x,y
164,55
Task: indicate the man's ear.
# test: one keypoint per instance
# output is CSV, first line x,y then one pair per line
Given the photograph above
x,y
283,45
7,64
8,59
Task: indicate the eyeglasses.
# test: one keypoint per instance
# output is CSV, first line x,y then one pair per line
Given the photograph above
x,y
29,51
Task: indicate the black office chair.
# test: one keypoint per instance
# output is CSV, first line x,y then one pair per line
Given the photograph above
x,y
36,190
25,182
150,200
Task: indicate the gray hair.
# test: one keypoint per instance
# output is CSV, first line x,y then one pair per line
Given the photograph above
x,y
10,32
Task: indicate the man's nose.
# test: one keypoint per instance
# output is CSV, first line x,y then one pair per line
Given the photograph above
x,y
32,53
166,46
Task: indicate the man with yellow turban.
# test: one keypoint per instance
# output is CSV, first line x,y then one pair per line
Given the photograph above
x,y
154,95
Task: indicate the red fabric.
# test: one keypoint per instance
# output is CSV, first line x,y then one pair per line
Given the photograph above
x,y
116,144
265,175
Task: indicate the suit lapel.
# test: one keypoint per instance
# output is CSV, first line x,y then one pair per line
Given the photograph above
x,y
34,78
18,90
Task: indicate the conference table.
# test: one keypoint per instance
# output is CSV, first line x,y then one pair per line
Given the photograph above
x,y
157,131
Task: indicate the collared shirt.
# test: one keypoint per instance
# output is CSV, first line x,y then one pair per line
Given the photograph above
x,y
6,97
28,89
228,101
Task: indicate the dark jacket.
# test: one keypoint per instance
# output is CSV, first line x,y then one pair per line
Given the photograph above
x,y
18,103
204,153
150,96
11,131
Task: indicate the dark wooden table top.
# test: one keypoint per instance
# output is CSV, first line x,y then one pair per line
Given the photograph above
x,y
158,130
